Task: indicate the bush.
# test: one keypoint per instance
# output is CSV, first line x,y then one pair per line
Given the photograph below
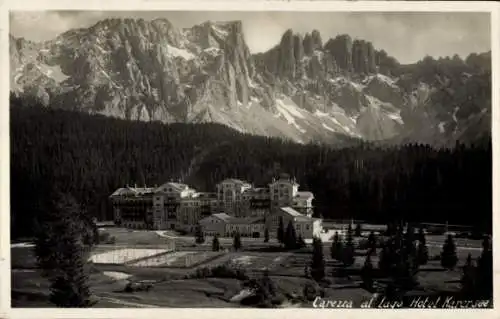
x,y
312,290
138,286
449,257
226,270
104,237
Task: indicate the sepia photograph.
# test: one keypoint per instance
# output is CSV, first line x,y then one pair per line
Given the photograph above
x,y
251,159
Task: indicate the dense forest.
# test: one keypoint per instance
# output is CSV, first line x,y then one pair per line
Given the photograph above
x,y
90,156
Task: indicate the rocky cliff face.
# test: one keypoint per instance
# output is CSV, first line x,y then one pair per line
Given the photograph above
x,y
302,89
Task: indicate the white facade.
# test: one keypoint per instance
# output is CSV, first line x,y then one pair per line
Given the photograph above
x,y
230,196
305,226
178,206
283,191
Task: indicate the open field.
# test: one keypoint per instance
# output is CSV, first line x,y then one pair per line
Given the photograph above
x,y
126,255
144,255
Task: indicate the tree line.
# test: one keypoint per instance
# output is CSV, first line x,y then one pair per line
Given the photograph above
x,y
402,252
90,156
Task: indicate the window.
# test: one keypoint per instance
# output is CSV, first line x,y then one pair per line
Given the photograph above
x,y
307,226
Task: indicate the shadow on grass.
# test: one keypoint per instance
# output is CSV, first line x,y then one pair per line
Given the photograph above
x,y
437,269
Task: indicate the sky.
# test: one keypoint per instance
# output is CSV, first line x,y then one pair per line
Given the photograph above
x,y
408,36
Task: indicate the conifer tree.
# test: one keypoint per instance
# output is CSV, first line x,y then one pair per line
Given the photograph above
x,y
422,250
215,243
421,234
199,236
290,236
357,232
61,251
350,232
449,257
348,249
385,259
237,241
336,246
468,279
301,243
281,231
266,235
485,270
318,261
372,241
339,248
367,273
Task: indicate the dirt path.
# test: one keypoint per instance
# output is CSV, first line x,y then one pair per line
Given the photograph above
x,y
127,303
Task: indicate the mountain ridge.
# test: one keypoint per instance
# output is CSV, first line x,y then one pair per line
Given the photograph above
x,y
301,89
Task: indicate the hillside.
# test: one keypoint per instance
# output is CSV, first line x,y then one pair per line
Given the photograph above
x,y
303,89
90,156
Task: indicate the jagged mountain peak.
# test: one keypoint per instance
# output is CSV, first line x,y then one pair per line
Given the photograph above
x,y
301,89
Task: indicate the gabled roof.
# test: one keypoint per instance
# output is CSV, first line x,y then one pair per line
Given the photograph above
x,y
222,216
132,191
247,220
177,187
234,181
292,212
286,180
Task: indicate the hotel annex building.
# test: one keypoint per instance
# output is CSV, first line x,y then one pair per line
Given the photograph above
x,y
235,206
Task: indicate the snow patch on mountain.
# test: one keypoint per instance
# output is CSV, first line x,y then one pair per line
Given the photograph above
x,y
183,53
328,128
318,113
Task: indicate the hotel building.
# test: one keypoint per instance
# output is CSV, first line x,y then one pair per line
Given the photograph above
x,y
235,206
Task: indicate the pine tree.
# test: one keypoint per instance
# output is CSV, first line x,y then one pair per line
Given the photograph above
x,y
385,259
301,243
422,250
409,237
372,242
348,250
334,247
62,248
350,232
339,248
485,270
69,287
357,232
318,261
215,243
449,257
367,273
266,235
468,279
199,236
391,229
421,234
290,236
281,231
237,241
